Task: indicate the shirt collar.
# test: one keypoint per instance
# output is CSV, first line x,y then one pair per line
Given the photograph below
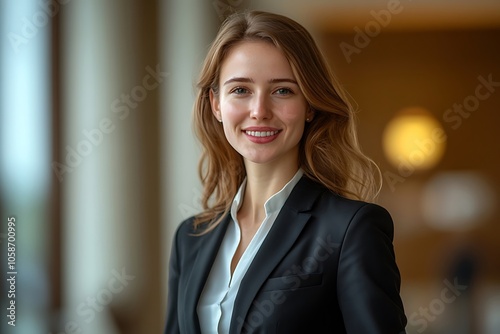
x,y
274,203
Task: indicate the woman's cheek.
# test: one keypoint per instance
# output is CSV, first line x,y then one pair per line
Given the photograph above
x,y
235,107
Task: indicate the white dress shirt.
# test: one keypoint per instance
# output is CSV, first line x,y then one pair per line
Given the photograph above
x,y
216,303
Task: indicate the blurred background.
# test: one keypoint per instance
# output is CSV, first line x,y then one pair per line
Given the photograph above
x,y
98,162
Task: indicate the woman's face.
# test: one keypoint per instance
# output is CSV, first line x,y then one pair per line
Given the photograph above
x,y
262,109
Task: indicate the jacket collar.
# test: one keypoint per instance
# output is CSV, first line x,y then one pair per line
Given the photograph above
x,y
286,229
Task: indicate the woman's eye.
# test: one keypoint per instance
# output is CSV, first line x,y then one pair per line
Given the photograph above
x,y
284,91
239,91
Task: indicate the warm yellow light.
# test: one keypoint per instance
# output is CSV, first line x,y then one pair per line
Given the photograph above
x,y
414,139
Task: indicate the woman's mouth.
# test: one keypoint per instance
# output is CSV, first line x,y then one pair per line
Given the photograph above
x,y
261,135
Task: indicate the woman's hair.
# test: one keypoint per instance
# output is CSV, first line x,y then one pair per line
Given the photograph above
x,y
329,149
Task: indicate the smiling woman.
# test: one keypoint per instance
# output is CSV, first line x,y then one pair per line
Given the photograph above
x,y
286,242
260,102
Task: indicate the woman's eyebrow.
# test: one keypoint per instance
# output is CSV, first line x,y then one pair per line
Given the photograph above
x,y
242,79
283,80
238,79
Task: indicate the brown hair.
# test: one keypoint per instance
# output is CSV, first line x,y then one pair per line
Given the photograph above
x,y
329,149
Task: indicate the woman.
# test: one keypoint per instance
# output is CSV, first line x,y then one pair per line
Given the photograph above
x,y
285,243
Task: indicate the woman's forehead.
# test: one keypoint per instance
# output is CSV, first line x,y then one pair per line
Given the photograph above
x,y
257,61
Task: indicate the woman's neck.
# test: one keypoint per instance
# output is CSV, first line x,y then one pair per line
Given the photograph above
x,y
263,181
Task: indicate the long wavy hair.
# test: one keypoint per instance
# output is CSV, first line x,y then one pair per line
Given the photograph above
x,y
329,151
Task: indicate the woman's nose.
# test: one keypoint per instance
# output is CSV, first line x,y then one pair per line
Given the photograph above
x,y
260,108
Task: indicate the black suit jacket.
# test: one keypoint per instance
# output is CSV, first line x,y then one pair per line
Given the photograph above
x,y
326,266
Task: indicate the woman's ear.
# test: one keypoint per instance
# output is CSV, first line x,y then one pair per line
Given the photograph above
x,y
309,115
215,104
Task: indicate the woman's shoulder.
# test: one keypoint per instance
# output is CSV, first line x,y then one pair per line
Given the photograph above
x,y
339,216
187,228
354,204
331,207
330,199
186,237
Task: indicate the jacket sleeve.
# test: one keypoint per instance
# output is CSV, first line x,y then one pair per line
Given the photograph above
x,y
172,325
368,277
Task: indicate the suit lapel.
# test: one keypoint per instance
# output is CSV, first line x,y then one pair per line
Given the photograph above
x,y
284,232
202,265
